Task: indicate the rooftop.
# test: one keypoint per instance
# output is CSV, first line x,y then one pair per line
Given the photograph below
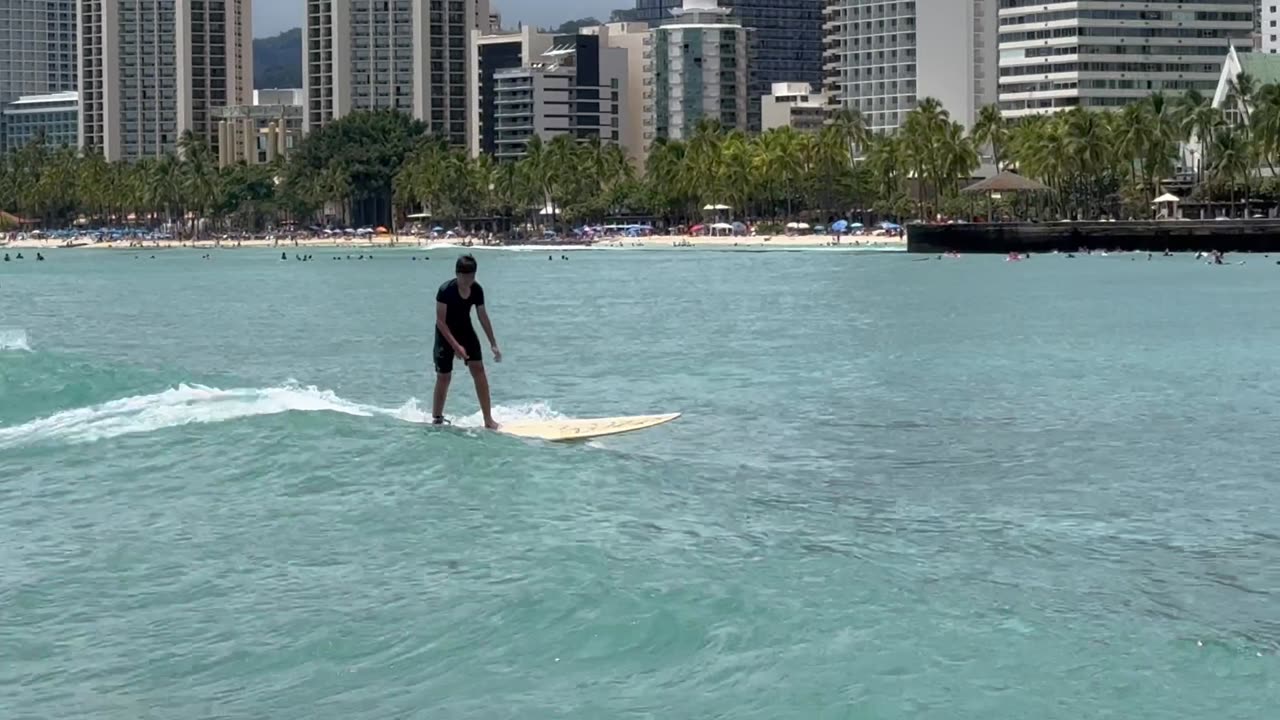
x,y
1264,67
62,97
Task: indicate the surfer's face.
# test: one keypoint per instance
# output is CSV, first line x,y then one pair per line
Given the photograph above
x,y
465,280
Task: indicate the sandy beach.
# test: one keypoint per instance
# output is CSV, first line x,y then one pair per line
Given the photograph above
x,y
407,241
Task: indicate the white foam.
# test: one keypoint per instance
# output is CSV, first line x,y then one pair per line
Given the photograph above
x,y
541,248
529,412
14,340
197,404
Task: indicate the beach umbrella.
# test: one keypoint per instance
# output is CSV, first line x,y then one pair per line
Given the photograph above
x,y
797,226
696,229
1167,198
382,230
840,226
437,229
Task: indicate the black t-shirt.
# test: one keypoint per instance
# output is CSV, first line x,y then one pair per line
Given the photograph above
x,y
458,310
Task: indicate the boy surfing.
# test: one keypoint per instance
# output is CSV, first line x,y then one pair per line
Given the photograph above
x,y
455,337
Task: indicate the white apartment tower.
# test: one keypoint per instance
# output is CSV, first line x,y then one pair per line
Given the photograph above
x,y
1268,20
153,69
1104,54
884,56
406,55
37,47
698,67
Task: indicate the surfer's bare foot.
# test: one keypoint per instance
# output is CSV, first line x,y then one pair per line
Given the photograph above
x,y
491,424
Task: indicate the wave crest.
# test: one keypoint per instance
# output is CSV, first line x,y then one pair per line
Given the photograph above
x,y
198,404
11,340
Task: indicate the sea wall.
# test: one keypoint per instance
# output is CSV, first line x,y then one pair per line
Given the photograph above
x,y
1152,236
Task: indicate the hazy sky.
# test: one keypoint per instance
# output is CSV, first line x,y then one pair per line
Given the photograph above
x,y
274,16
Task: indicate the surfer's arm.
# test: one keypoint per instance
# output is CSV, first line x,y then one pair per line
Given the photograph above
x,y
488,326
441,313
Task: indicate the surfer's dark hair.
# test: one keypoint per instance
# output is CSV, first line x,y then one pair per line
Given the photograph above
x,y
465,265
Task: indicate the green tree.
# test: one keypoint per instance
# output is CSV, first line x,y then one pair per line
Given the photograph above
x,y
367,149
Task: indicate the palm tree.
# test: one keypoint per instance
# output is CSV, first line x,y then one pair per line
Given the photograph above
x,y
1231,160
334,186
1241,91
852,128
991,130
1265,124
199,173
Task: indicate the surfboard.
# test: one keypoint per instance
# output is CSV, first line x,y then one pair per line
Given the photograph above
x,y
570,430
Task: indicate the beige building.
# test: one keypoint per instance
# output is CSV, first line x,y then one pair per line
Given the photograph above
x,y
794,105
630,37
268,129
151,70
407,55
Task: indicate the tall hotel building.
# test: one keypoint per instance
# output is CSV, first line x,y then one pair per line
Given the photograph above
x,y
1109,53
788,35
698,66
1268,21
37,47
153,69
882,57
408,55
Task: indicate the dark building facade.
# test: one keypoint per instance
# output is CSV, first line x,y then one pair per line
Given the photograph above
x,y
494,57
788,35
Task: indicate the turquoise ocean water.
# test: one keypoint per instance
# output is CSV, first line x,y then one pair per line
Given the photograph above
x,y
901,489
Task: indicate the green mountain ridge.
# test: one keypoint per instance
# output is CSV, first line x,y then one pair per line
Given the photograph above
x,y
277,61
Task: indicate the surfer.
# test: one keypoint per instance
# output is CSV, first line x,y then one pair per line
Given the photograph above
x,y
456,337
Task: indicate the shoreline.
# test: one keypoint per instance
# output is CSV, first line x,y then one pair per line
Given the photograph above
x,y
661,242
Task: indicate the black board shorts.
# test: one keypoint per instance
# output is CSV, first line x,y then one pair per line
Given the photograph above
x,y
443,354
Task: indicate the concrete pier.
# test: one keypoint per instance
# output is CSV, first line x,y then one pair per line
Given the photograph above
x,y
1152,236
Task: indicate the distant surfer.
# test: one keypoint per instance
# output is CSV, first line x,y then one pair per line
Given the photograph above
x,y
456,337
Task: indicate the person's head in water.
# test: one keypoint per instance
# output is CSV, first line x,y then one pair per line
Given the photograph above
x,y
466,271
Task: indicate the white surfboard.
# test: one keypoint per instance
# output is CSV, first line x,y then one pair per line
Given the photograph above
x,y
569,430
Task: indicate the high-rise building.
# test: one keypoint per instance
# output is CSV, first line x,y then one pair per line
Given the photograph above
x,y
37,54
788,35
1109,53
53,117
151,70
576,88
618,50
632,38
37,47
407,55
1268,18
883,57
699,68
490,54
